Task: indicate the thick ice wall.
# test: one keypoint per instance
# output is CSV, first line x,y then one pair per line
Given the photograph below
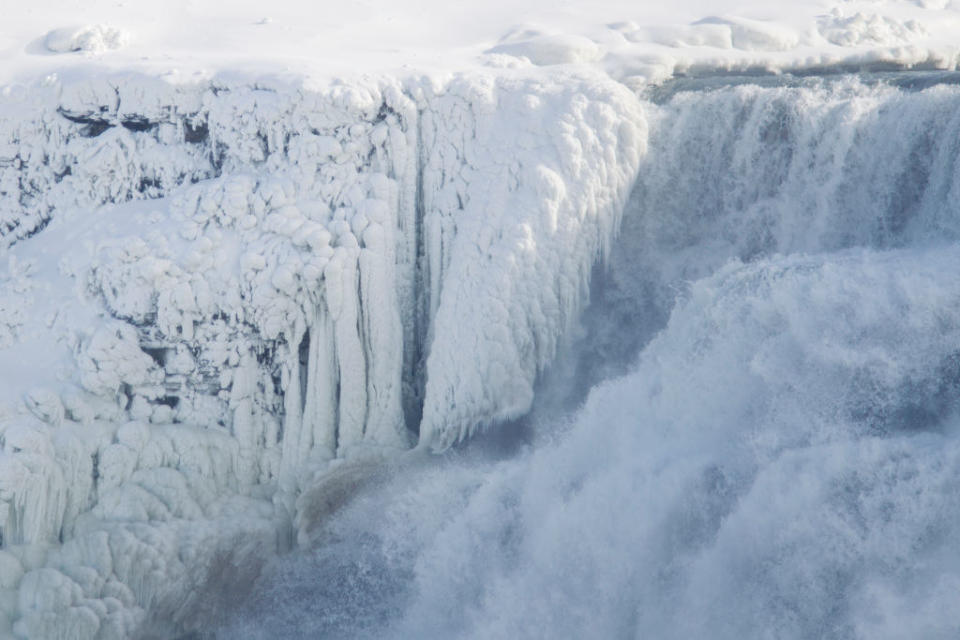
x,y
233,268
270,299
524,184
84,144
183,410
353,262
315,197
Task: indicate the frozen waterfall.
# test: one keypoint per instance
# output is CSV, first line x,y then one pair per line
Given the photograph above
x,y
254,283
239,319
770,445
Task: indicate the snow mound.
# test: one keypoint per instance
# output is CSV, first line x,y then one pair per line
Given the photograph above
x,y
545,50
722,32
752,35
95,38
874,29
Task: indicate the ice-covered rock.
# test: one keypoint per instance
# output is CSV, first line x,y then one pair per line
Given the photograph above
x,y
253,281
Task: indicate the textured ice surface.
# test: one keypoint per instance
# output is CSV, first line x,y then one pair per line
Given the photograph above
x,y
238,284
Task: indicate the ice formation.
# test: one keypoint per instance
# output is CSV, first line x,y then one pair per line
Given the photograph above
x,y
253,281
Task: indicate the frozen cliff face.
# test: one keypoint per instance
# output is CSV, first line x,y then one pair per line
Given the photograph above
x,y
213,291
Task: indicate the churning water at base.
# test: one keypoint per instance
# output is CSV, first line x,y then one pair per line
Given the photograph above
x,y
777,453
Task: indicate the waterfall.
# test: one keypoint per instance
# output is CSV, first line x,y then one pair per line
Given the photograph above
x,y
770,441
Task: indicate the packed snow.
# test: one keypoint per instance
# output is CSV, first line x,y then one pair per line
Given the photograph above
x,y
255,264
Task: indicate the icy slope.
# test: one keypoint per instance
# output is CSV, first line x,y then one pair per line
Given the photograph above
x,y
240,283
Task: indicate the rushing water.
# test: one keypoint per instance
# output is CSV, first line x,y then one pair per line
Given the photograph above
x,y
770,446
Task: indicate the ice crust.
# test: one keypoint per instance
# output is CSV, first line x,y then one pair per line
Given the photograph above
x,y
251,282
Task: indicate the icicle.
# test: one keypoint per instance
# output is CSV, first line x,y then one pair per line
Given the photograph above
x,y
382,335
244,419
291,454
343,299
320,408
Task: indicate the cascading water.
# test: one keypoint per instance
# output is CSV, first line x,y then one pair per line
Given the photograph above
x,y
780,454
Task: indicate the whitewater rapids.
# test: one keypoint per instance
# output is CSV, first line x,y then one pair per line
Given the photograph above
x,y
770,445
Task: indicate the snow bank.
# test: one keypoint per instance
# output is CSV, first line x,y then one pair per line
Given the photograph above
x,y
325,41
544,50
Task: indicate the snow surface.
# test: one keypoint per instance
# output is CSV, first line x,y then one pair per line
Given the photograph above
x,y
190,39
247,259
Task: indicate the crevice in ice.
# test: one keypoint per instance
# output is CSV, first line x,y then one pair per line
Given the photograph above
x,y
195,133
415,351
138,125
304,360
